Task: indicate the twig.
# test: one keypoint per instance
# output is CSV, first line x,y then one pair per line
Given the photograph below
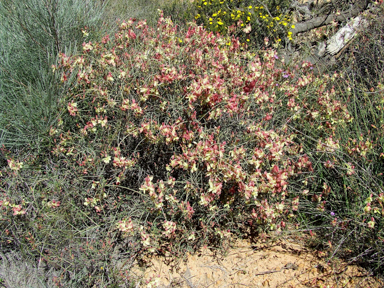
x,y
187,276
288,266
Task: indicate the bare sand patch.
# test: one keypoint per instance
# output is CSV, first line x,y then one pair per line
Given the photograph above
x,y
282,264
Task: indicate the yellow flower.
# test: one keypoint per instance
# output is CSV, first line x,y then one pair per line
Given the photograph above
x,y
205,3
250,7
293,26
220,23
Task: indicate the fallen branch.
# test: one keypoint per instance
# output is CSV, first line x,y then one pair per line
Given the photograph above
x,y
319,21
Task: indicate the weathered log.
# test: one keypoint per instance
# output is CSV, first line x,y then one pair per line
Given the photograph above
x,y
318,21
345,34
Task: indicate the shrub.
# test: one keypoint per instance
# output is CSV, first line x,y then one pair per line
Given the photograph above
x,y
166,140
253,21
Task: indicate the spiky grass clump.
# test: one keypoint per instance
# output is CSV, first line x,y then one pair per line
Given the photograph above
x,y
32,33
352,180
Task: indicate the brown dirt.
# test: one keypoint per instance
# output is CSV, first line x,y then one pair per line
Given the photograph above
x,y
286,263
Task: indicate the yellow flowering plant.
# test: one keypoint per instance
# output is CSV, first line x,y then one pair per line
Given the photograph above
x,y
250,20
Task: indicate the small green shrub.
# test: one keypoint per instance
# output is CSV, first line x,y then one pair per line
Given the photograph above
x,y
253,21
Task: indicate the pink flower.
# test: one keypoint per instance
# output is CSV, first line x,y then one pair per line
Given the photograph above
x,y
170,228
148,185
109,77
87,46
72,108
131,34
18,210
14,165
371,224
53,204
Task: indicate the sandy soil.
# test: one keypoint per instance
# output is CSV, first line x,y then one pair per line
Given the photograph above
x,y
286,263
